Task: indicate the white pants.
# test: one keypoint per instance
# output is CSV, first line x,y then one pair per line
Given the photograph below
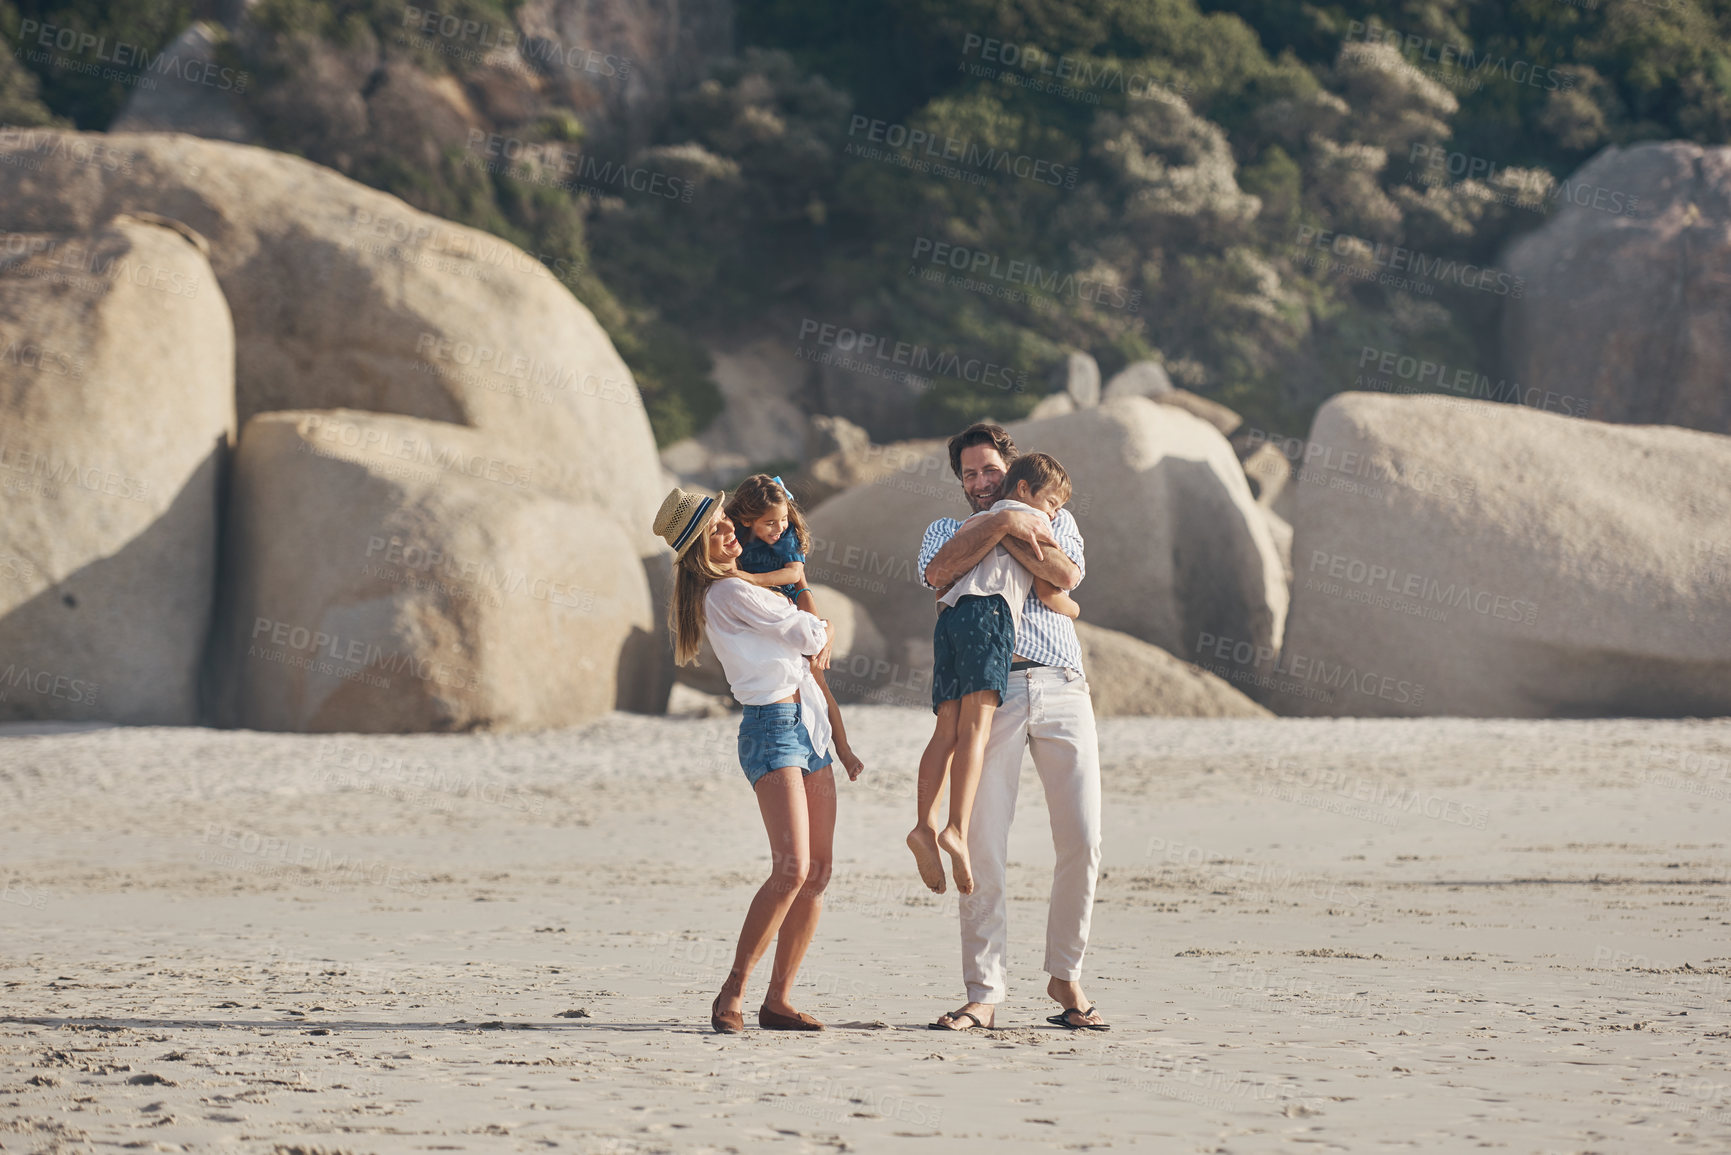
x,y
1047,710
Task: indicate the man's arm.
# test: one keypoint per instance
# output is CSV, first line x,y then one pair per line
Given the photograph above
x,y
975,539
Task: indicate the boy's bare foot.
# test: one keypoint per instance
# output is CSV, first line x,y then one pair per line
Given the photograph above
x,y
951,842
924,843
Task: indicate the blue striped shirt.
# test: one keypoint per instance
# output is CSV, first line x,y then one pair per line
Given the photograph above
x,y
1044,636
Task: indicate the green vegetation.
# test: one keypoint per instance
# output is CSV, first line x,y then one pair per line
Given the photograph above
x,y
1135,178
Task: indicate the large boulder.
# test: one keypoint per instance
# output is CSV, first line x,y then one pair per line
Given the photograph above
x,y
1489,560
858,648
1139,379
1176,548
1077,376
345,297
116,414
1127,676
1625,310
386,574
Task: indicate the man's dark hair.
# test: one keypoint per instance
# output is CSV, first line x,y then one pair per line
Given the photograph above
x,y
981,433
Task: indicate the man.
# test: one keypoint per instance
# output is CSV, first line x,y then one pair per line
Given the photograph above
x,y
1046,710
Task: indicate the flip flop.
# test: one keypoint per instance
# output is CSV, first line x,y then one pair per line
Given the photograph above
x,y
1063,1020
956,1017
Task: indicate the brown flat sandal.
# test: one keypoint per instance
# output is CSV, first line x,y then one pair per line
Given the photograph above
x,y
776,1021
725,1022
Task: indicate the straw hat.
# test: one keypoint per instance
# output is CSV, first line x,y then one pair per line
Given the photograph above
x,y
683,516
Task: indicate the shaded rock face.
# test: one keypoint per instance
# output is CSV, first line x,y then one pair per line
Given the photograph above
x,y
1484,560
762,422
1130,677
1626,310
386,574
345,297
116,414
1176,548
653,50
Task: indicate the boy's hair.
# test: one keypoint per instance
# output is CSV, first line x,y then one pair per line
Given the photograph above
x,y
1039,470
754,497
981,433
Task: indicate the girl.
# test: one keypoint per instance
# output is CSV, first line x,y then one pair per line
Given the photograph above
x,y
773,540
764,644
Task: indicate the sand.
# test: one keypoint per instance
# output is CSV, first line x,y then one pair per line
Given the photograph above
x,y
1434,935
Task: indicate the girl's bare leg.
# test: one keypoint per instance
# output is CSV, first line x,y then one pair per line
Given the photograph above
x,y
849,760
781,800
934,768
801,921
973,727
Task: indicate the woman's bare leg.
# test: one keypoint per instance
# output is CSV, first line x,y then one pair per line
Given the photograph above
x,y
781,800
801,921
973,727
929,788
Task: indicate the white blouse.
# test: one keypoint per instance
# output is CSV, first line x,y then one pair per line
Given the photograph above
x,y
763,640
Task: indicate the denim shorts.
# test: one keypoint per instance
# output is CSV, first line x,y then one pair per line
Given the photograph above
x,y
971,648
771,737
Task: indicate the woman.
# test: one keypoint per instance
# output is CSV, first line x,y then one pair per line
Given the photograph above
x,y
765,646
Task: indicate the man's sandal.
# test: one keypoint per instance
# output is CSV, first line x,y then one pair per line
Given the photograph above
x,y
1063,1020
956,1017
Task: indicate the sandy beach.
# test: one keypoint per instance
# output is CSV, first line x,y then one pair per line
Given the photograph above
x,y
1351,935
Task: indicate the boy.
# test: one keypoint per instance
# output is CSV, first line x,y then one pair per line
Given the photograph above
x,y
971,648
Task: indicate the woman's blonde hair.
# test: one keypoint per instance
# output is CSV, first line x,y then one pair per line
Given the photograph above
x,y
758,494
693,574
